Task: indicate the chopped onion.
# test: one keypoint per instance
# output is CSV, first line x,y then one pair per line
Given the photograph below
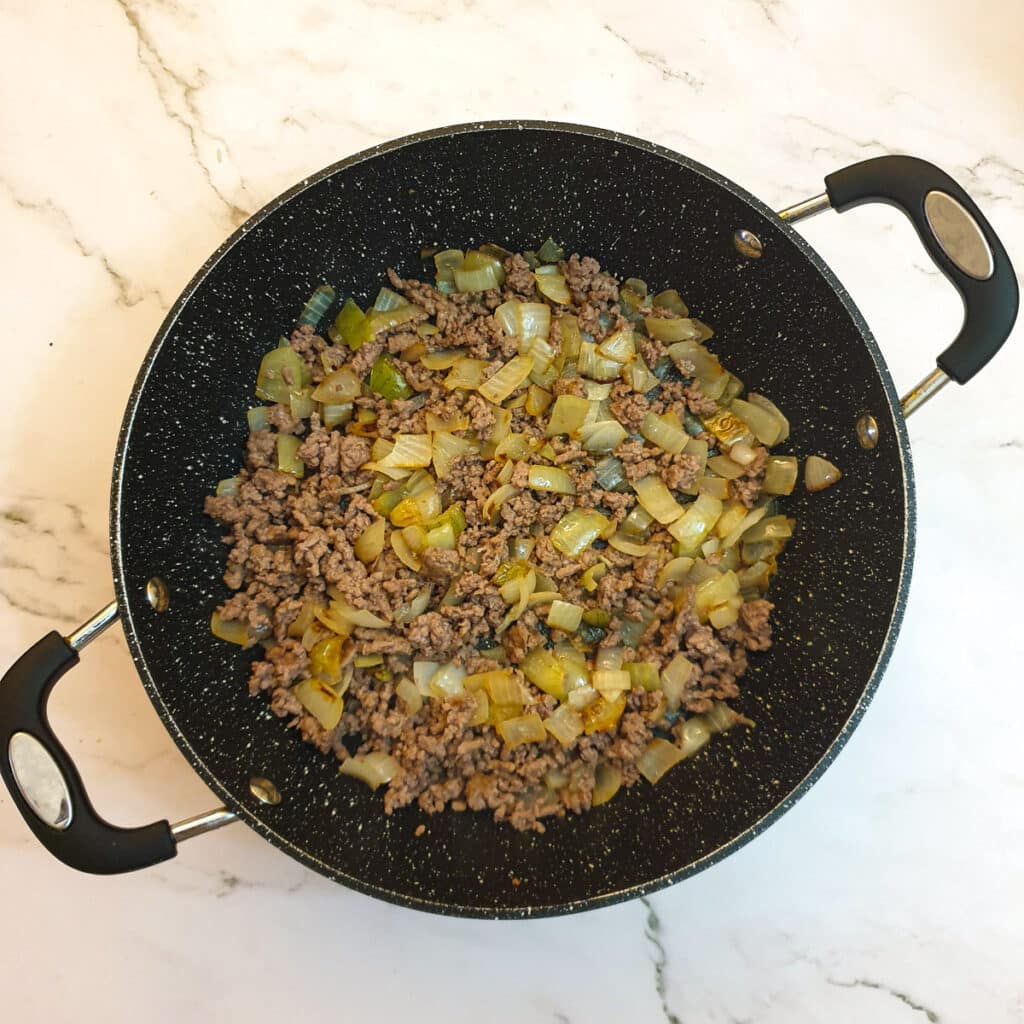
x,y
725,467
320,701
567,415
417,606
676,329
481,279
370,543
753,517
602,714
610,681
445,449
228,488
620,346
511,376
610,474
465,374
406,690
664,434
565,724
483,709
496,498
714,487
766,426
405,554
374,769
671,300
524,319
551,284
645,674
770,407
288,460
502,685
582,696
281,372
780,473
257,419
447,681
416,510
443,359
596,366
674,571
657,499
732,515
772,528
693,359
694,733
527,585
339,387
577,530
819,473
234,631
411,451
691,529
675,677
545,671
659,756
607,780
526,728
630,547
422,673
565,616
335,415
742,454
602,435
550,478
537,400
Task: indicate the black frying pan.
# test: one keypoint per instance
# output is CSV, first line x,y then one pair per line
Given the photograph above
x,y
783,323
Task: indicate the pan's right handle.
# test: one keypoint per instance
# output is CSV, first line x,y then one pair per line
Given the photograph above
x,y
44,782
959,240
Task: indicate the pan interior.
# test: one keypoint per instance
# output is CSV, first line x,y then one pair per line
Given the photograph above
x,y
782,323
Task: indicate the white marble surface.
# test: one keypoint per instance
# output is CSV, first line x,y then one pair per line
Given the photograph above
x,y
138,133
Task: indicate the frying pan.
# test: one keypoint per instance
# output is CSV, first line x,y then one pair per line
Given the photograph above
x,y
783,323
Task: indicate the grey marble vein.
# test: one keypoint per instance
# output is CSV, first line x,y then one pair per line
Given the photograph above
x,y
652,930
930,1015
128,293
768,8
657,61
156,66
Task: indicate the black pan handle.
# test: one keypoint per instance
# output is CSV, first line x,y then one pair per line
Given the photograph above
x,y
959,240
45,784
43,780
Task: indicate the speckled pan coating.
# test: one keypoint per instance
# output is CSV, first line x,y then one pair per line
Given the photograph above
x,y
783,323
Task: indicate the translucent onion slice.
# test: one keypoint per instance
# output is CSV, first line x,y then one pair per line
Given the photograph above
x,y
602,435
772,528
465,375
524,319
693,359
340,386
657,499
674,571
537,400
443,359
692,528
551,284
565,724
410,451
405,554
723,466
447,681
602,714
630,547
550,478
694,734
670,299
774,410
522,729
447,262
545,671
370,543
639,377
483,709
565,616
413,699
766,426
288,460
676,329
661,432
754,516
480,279
232,630
511,376
659,756
502,685
674,679
819,473
446,448
610,682
417,606
644,674
619,346
607,781
375,769
577,530
567,415
780,473
422,673
320,701
496,499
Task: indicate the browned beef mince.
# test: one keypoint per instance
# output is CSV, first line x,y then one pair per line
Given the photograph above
x,y
292,542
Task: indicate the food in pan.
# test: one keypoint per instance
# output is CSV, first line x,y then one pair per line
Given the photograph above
x,y
505,539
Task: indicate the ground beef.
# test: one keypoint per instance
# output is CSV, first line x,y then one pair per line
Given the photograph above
x,y
292,546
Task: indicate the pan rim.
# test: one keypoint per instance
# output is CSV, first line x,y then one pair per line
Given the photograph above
x,y
551,909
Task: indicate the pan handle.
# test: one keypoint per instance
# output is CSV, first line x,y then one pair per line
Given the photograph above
x,y
44,782
959,240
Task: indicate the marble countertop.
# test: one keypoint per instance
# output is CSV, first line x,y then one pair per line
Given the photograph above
x,y
139,133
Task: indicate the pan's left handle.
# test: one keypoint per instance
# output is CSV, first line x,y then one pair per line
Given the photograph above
x,y
44,782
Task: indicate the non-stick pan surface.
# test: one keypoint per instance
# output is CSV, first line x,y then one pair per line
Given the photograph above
x,y
783,323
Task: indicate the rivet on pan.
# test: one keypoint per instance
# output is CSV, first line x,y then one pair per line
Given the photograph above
x,y
157,594
867,431
748,244
264,790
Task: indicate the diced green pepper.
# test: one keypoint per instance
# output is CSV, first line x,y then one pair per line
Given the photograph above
x,y
387,381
